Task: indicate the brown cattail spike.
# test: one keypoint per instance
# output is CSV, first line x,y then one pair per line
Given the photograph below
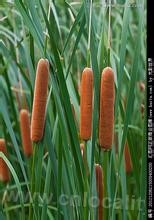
x,y
25,132
39,102
128,161
106,119
100,188
4,170
86,104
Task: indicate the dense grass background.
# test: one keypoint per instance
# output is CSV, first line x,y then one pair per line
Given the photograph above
x,y
72,35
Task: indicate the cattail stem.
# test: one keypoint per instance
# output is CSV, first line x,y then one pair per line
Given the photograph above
x,y
46,37
83,148
86,104
100,155
40,98
89,32
106,119
32,179
25,132
4,170
109,35
86,183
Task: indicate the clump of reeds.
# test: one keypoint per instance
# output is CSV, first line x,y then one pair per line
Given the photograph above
x,y
25,132
39,102
106,116
100,188
4,170
86,104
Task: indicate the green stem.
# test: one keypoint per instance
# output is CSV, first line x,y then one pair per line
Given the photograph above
x,y
108,56
88,58
89,34
46,38
32,186
109,35
60,162
87,208
46,190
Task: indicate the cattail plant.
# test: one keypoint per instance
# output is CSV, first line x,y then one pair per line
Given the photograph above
x,y
106,117
25,132
4,170
86,104
100,188
128,161
39,102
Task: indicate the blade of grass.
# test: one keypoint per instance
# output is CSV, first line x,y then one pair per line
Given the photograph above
x,y
124,37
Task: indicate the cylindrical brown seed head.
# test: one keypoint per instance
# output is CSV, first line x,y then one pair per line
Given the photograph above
x,y
39,102
4,170
86,104
106,117
128,161
25,132
99,186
